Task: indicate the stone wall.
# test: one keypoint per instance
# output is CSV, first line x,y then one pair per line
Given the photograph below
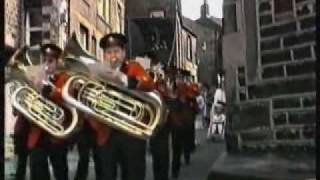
x,y
285,84
13,20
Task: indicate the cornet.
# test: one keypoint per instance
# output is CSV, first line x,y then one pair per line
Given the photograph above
x,y
40,111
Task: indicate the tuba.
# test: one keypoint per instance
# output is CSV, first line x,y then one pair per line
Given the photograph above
x,y
133,112
40,111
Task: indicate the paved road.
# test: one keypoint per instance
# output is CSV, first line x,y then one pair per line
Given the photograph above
x,y
201,161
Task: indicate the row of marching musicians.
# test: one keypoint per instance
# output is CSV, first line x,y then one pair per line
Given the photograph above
x,y
111,146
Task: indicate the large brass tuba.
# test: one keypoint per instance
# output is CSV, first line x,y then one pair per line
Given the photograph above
x,y
40,111
133,112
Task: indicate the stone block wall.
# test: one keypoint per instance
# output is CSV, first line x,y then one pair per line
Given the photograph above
x,y
13,19
282,99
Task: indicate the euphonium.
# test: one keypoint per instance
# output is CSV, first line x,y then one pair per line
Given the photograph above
x,y
133,112
40,111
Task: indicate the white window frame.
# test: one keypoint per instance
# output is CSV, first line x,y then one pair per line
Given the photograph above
x,y
85,45
157,13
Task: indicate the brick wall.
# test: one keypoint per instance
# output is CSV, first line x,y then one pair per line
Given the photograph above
x,y
286,82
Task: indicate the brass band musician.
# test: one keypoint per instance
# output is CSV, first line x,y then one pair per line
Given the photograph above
x,y
119,148
42,145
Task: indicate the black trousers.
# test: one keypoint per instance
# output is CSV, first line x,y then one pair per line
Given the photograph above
x,y
86,143
127,152
191,136
181,145
159,145
22,152
39,165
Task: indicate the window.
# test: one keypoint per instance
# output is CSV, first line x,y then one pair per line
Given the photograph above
x,y
120,18
282,6
103,9
241,76
100,7
94,46
84,37
35,38
283,9
33,24
35,17
106,10
157,14
189,48
230,18
204,46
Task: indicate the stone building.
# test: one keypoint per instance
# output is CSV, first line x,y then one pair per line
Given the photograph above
x,y
45,21
91,20
13,34
35,22
269,57
158,26
13,16
209,32
188,53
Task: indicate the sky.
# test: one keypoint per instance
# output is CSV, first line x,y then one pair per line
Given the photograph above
x,y
191,8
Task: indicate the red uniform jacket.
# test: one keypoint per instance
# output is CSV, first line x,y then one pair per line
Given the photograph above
x,y
185,107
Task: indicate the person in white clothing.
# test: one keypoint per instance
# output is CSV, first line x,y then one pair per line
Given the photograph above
x,y
200,116
217,120
219,95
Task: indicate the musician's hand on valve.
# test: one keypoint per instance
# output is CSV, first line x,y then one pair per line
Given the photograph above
x,y
116,77
121,78
46,90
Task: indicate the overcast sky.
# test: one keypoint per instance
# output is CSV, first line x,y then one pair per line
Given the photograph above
x,y
191,8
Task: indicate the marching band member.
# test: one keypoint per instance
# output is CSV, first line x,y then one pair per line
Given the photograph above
x,y
21,129
41,145
192,109
182,118
121,149
159,143
86,143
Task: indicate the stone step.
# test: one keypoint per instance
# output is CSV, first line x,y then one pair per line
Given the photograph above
x,y
262,167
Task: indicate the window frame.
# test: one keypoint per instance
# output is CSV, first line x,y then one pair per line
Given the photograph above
x,y
235,18
153,11
94,45
31,28
283,8
283,14
104,13
189,47
120,17
86,45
